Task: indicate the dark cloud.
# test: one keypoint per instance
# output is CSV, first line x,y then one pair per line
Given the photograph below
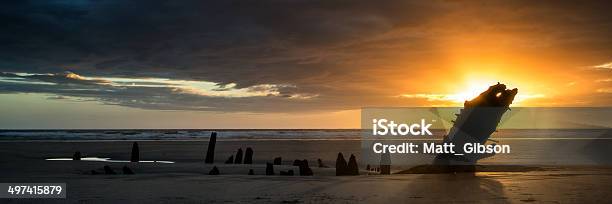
x,y
243,42
324,48
171,95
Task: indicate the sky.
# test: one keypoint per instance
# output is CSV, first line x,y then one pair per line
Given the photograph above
x,y
289,64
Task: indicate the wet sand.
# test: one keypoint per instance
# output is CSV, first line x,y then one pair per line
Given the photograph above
x,y
187,179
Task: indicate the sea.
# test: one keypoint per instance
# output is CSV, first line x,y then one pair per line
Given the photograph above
x,y
179,134
298,134
529,146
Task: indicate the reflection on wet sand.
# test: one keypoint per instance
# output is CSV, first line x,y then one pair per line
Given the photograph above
x,y
98,159
462,187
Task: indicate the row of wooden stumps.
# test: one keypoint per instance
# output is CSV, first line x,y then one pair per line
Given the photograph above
x,y
135,157
343,168
248,157
303,167
352,168
384,167
346,169
210,156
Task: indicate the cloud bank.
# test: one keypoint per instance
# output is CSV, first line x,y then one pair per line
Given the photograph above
x,y
266,56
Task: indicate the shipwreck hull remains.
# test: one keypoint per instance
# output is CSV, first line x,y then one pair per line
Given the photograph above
x,y
475,123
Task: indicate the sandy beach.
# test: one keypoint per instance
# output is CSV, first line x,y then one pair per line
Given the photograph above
x,y
186,180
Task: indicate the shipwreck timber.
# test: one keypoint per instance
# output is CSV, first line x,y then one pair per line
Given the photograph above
x,y
475,123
